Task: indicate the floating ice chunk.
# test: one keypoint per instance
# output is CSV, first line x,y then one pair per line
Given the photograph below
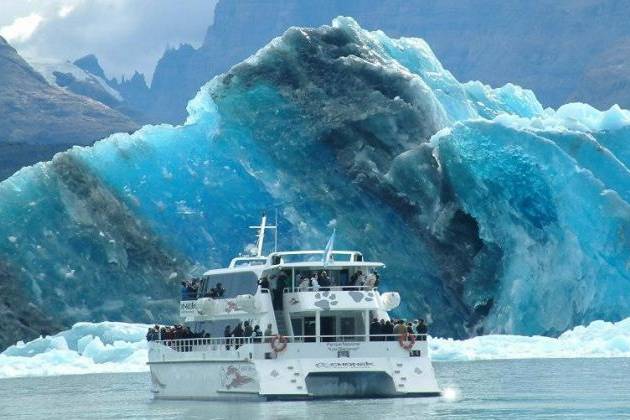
x,y
599,339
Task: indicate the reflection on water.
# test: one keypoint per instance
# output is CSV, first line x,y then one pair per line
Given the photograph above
x,y
576,388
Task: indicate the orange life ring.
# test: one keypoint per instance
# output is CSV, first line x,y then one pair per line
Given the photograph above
x,y
407,340
278,343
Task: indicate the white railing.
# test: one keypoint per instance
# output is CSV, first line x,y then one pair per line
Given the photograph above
x,y
327,288
221,344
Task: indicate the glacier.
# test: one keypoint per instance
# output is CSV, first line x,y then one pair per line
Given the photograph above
x,y
116,347
494,214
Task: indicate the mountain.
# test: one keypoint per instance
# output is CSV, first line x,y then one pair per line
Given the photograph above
x,y
492,214
39,119
557,48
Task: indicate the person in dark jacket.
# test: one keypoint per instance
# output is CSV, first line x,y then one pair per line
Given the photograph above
x,y
257,334
264,284
389,330
248,330
227,333
422,329
375,328
237,333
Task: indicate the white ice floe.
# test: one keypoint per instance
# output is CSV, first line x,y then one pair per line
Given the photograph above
x,y
598,339
110,347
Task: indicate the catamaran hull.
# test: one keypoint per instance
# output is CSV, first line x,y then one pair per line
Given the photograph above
x,y
294,378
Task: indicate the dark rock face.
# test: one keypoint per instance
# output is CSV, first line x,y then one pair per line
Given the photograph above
x,y
39,120
90,64
552,47
121,270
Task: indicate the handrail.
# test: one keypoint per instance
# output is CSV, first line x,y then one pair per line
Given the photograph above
x,y
335,288
233,343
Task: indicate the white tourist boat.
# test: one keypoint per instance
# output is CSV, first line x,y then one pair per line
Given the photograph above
x,y
320,343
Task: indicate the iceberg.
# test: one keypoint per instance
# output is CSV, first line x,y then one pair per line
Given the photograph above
x,y
116,347
106,347
493,214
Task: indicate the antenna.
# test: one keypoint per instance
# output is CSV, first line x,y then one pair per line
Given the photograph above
x,y
261,234
275,233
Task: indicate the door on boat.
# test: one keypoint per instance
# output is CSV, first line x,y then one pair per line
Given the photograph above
x,y
328,328
309,329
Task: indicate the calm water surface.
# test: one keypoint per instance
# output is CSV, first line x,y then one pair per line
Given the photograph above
x,y
516,389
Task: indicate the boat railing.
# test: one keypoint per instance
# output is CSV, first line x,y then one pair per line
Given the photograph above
x,y
357,338
297,289
220,344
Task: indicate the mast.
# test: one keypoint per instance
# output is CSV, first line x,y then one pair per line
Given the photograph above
x,y
261,234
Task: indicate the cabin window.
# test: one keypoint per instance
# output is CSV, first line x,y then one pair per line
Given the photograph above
x,y
241,283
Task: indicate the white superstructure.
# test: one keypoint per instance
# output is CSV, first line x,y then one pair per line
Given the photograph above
x,y
320,343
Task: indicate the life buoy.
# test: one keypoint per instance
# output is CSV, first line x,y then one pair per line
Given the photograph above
x,y
407,340
278,343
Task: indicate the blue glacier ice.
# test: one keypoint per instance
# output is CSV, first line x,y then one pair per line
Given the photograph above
x,y
112,347
493,214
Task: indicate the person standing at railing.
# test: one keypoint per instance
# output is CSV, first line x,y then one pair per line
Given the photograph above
x,y
303,285
264,284
389,330
247,330
268,333
257,334
238,333
422,329
227,333
375,329
324,280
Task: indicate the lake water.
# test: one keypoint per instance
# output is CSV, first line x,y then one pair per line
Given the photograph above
x,y
515,389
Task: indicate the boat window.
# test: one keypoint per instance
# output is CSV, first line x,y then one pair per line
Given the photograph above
x,y
242,283
249,262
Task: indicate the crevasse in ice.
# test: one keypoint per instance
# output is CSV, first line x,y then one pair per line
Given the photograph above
x,y
493,214
111,347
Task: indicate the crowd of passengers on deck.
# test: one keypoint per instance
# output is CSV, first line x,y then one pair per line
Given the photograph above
x,y
386,330
191,289
234,337
305,281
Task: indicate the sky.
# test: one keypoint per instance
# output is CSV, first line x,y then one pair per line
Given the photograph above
x,y
125,35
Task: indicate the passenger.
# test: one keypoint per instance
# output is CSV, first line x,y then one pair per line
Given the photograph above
x,y
370,281
422,330
264,284
248,330
399,327
314,284
257,334
324,280
389,330
381,328
361,279
377,279
238,333
354,279
375,329
304,284
220,291
151,334
227,333
410,328
184,291
268,333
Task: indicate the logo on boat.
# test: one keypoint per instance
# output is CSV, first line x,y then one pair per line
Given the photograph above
x,y
343,347
188,306
344,365
231,306
233,377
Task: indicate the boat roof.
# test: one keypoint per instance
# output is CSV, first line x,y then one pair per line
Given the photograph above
x,y
277,260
